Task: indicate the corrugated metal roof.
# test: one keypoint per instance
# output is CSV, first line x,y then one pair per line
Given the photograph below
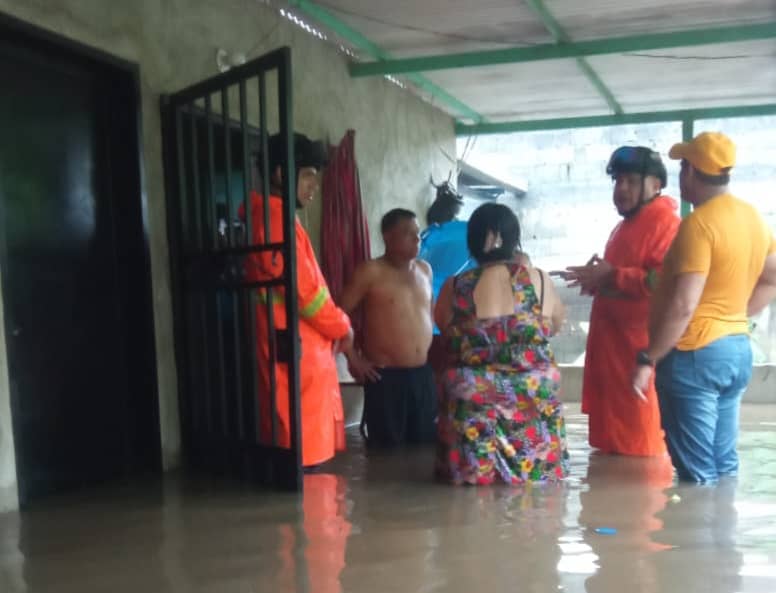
x,y
702,76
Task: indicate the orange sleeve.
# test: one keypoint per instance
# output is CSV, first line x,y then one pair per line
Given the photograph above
x,y
316,306
640,281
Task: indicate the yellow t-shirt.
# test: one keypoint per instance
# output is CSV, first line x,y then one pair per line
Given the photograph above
x,y
726,240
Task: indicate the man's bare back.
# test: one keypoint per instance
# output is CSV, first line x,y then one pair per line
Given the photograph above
x,y
397,314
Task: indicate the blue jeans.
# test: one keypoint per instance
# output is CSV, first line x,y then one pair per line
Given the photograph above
x,y
699,392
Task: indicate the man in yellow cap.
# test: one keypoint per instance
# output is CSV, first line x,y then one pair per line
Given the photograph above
x,y
720,269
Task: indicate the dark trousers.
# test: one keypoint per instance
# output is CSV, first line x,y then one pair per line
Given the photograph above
x,y
401,407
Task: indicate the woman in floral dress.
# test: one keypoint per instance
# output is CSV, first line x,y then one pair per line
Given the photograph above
x,y
500,418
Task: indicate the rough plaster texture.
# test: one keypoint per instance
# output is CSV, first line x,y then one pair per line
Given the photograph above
x,y
399,139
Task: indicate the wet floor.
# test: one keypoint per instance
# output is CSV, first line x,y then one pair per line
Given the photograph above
x,y
377,523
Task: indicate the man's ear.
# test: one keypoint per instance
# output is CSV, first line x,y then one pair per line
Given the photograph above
x,y
653,185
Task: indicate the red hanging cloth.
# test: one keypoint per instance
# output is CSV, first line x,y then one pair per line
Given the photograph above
x,y
344,230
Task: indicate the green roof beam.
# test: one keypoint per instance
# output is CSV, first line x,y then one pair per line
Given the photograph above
x,y
360,42
688,124
614,120
561,36
557,51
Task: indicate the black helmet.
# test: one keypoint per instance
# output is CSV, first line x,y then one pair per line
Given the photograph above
x,y
637,159
307,153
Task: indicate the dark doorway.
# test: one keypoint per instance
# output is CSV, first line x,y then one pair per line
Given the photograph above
x,y
75,266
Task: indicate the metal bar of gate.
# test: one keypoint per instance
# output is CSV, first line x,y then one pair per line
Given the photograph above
x,y
205,259
285,100
246,164
211,208
227,164
196,194
198,242
267,62
265,188
216,295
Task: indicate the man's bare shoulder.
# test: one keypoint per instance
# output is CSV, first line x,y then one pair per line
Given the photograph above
x,y
423,266
368,268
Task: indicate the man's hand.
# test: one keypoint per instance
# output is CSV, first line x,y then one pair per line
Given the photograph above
x,y
641,376
345,343
591,278
362,369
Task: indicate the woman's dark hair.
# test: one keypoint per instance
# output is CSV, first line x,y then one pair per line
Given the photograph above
x,y
500,220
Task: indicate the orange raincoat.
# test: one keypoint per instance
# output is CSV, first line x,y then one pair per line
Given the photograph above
x,y
618,421
321,323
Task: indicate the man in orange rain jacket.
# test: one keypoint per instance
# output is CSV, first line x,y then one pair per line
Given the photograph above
x,y
323,327
621,284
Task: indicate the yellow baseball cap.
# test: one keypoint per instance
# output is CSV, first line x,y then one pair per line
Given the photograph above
x,y
712,153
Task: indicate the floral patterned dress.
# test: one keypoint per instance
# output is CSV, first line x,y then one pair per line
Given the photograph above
x,y
499,413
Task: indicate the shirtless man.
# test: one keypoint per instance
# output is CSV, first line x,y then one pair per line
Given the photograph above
x,y
395,289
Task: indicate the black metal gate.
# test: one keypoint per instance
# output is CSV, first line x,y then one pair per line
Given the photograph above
x,y
210,172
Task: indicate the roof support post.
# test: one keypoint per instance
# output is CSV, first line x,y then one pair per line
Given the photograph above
x,y
688,123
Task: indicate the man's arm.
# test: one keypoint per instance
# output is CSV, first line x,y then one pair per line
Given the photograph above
x,y
558,311
429,273
679,306
316,307
765,289
641,281
352,297
443,311
355,290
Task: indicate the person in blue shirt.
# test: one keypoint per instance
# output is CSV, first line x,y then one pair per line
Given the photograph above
x,y
443,243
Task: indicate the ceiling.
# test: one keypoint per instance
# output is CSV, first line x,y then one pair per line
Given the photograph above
x,y
502,65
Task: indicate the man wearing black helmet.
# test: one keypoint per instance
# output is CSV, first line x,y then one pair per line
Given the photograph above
x,y
324,328
621,284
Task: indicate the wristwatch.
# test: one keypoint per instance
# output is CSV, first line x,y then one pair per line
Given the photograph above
x,y
643,359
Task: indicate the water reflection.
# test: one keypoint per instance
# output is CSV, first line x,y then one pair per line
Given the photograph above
x,y
377,522
412,534
700,530
311,554
623,494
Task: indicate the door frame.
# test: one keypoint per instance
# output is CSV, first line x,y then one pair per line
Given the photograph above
x,y
128,193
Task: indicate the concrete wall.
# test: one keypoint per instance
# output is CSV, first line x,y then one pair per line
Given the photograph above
x,y
399,139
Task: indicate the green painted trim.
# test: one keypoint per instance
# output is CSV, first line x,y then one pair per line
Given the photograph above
x,y
600,86
441,94
556,51
549,21
613,120
359,41
688,125
326,18
559,34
